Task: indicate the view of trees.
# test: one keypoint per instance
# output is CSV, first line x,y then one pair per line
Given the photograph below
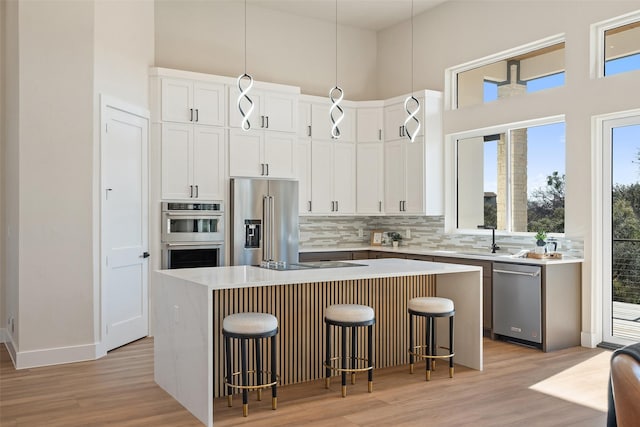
x,y
626,243
546,206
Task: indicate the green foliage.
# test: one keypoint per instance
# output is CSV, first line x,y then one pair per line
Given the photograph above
x,y
394,236
545,207
625,219
541,235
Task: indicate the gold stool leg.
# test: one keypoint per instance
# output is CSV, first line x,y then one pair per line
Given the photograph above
x,y
344,391
450,372
327,382
230,401
274,403
259,394
353,378
428,375
411,368
245,410
370,386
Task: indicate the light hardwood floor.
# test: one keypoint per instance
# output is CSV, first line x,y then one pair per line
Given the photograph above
x,y
119,390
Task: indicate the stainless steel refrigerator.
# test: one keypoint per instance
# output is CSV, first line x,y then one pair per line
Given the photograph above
x,y
264,221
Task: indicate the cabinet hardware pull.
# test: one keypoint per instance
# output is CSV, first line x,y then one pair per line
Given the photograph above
x,y
262,169
267,128
197,192
197,114
380,206
519,273
400,205
399,130
191,114
261,121
337,208
191,191
379,134
309,130
332,206
309,205
267,167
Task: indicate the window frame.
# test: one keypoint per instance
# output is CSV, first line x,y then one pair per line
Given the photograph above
x,y
451,74
597,47
451,178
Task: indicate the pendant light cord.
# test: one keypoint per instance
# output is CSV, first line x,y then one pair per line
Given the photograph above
x,y
411,47
337,42
245,36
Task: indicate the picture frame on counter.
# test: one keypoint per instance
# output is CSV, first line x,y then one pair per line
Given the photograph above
x,y
376,237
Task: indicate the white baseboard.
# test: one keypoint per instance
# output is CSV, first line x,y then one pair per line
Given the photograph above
x,y
4,335
11,348
55,356
588,339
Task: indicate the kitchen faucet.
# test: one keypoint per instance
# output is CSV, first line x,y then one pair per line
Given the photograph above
x,y
494,247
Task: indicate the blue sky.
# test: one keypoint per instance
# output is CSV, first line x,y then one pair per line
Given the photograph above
x,y
546,144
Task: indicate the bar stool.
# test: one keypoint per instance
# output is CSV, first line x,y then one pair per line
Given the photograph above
x,y
350,316
245,327
430,308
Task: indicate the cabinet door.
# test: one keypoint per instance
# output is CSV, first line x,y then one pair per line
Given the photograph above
x,y
369,124
208,103
393,121
235,119
208,163
245,153
393,176
278,154
344,177
281,111
302,171
177,100
369,178
304,120
414,177
321,176
177,141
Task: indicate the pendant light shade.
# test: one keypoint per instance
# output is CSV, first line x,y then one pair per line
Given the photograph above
x,y
411,103
336,95
245,83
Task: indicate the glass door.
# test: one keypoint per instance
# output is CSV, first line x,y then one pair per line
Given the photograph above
x,y
621,230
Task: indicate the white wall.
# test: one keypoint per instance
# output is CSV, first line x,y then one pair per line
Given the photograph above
x,y
208,37
3,297
459,32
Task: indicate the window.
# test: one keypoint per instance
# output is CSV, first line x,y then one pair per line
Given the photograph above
x,y
617,49
512,180
527,69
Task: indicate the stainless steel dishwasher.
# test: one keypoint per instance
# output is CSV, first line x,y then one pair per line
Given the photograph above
x,y
517,302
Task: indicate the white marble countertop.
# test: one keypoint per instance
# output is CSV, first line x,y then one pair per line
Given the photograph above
x,y
468,254
248,276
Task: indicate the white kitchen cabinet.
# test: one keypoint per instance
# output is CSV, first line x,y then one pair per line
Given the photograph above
x,y
321,123
394,117
370,178
192,162
261,154
304,119
272,111
302,172
188,101
333,177
404,177
369,124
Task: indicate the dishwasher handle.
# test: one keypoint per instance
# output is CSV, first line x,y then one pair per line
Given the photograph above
x,y
518,273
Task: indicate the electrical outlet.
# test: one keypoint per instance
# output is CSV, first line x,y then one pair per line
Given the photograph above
x,y
407,233
360,232
176,314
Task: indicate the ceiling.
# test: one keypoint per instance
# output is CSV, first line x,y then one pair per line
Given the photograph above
x,y
366,14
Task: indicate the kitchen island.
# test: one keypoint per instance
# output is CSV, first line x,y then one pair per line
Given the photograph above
x,y
189,305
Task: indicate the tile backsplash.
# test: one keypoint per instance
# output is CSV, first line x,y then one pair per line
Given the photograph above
x,y
426,233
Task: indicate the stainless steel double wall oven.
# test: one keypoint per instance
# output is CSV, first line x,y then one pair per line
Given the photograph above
x,y
192,234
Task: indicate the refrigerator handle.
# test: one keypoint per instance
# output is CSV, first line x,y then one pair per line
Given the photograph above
x,y
266,232
271,227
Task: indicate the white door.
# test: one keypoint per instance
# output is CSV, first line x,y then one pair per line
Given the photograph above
x,y
208,163
245,153
322,177
281,111
302,171
394,191
177,153
414,177
278,154
177,100
208,104
344,177
124,227
369,124
369,178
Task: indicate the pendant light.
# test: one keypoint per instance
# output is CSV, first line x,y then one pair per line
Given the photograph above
x,y
242,79
411,104
336,94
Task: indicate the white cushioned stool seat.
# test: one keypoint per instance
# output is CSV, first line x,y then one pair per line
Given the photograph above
x,y
249,323
433,305
349,313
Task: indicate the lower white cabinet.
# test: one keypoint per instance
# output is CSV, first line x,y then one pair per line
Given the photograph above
x,y
192,162
333,183
261,154
404,177
370,178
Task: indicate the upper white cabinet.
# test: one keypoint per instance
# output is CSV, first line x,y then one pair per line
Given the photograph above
x,y
370,178
333,177
261,154
187,101
192,162
395,115
272,110
413,172
302,172
370,122
321,123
